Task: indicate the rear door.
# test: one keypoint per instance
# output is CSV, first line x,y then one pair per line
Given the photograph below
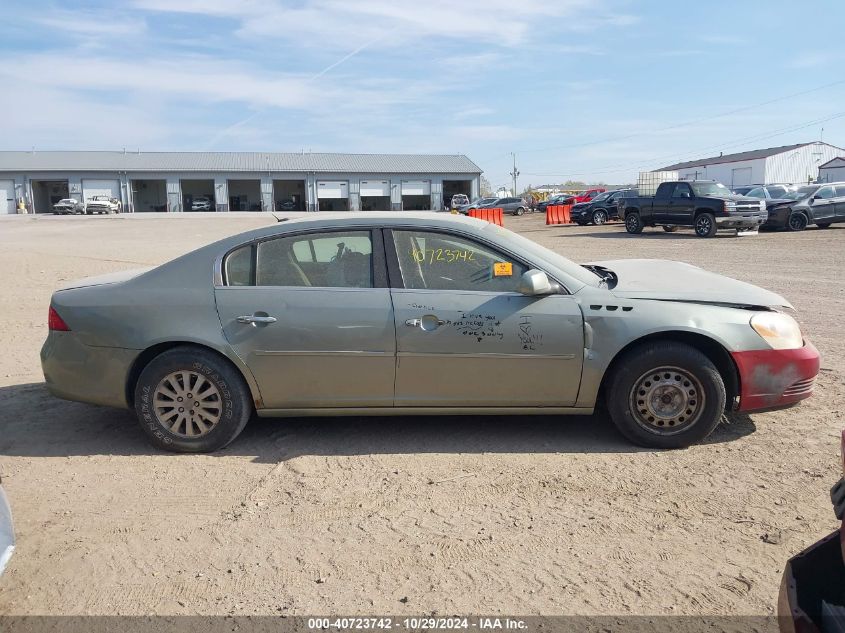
x,y
839,209
310,314
823,205
660,202
680,207
467,338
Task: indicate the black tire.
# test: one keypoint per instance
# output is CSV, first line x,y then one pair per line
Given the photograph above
x,y
796,221
669,228
633,223
519,211
665,358
823,225
232,394
599,217
705,225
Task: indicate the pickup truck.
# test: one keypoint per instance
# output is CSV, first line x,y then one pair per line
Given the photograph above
x,y
705,205
102,204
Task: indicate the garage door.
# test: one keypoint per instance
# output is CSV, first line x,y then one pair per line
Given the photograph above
x,y
741,177
91,188
379,188
7,196
332,189
416,188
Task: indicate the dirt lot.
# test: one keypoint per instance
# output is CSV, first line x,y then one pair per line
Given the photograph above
x,y
407,515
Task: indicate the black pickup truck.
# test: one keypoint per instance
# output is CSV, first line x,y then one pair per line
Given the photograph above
x,y
705,205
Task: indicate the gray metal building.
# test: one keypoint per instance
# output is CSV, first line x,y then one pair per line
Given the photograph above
x,y
236,181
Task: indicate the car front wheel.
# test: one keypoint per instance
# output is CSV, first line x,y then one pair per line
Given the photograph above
x,y
191,400
599,217
796,222
519,211
705,225
633,223
665,395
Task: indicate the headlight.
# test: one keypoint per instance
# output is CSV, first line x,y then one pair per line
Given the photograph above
x,y
762,205
779,330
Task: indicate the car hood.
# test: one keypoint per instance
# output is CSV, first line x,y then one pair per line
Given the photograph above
x,y
109,278
7,534
677,281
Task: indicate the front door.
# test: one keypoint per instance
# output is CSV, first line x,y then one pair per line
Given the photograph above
x,y
680,208
311,316
840,203
823,204
466,338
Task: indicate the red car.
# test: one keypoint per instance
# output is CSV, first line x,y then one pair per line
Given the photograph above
x,y
587,195
812,592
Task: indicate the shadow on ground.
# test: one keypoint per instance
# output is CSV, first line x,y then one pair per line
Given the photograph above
x,y
33,423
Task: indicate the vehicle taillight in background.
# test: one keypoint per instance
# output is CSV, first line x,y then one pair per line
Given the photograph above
x,y
55,322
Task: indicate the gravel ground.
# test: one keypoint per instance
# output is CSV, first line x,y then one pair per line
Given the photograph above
x,y
407,515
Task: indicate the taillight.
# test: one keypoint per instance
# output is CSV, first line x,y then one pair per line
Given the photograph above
x,y
55,322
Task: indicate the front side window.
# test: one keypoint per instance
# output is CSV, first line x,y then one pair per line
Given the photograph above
x,y
825,193
341,259
438,261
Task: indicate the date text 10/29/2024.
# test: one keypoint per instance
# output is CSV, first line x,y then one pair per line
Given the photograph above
x,y
417,623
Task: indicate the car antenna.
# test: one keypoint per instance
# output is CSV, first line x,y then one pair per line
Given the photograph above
x,y
278,219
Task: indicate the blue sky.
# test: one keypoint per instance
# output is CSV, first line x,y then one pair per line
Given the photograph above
x,y
593,90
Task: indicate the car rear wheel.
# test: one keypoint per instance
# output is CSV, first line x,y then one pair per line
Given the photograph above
x,y
797,221
705,225
599,217
665,395
190,400
633,223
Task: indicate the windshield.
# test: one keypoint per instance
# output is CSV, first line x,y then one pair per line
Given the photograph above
x,y
67,200
602,196
801,192
717,189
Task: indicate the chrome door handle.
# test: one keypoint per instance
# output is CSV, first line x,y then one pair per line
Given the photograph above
x,y
254,319
413,322
425,326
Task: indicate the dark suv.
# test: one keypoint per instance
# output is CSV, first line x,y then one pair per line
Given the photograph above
x,y
821,204
602,208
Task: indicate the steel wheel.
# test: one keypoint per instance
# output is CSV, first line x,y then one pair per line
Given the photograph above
x,y
797,222
187,404
666,400
599,217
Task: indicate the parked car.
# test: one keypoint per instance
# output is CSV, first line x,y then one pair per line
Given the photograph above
x,y
509,206
820,204
286,205
315,312
769,192
744,189
478,202
812,589
7,532
67,206
102,205
705,205
600,209
202,203
458,200
588,195
560,198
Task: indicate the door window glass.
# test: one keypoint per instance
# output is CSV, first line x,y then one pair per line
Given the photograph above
x,y
438,261
757,192
682,190
825,193
239,267
840,191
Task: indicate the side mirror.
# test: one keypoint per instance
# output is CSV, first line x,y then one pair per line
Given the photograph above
x,y
535,282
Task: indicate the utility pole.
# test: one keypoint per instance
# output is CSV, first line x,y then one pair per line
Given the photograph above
x,y
514,173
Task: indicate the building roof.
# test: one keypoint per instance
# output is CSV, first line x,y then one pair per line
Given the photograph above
x,y
238,161
833,162
739,156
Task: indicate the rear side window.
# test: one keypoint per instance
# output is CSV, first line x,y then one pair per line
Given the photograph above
x,y
342,259
840,191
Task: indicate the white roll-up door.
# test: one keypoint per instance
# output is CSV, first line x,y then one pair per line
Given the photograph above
x,y
378,188
416,188
741,177
332,189
7,196
91,188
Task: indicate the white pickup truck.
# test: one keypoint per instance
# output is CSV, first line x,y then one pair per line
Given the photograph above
x,y
102,204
